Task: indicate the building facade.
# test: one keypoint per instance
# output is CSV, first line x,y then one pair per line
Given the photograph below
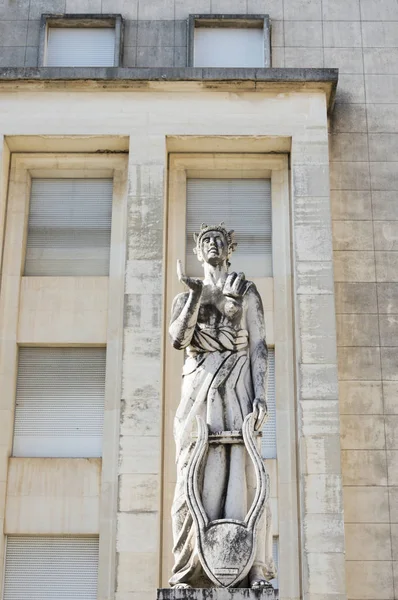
x,y
123,126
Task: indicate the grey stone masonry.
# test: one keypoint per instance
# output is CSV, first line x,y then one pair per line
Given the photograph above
x,y
215,594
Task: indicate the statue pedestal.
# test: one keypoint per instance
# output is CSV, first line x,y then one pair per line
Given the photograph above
x,y
215,594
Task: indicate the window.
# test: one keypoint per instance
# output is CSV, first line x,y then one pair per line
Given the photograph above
x,y
69,228
239,42
51,567
74,41
59,402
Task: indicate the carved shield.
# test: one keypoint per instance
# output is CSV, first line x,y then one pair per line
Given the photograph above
x,y
226,547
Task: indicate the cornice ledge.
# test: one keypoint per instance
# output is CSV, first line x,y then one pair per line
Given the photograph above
x,y
173,78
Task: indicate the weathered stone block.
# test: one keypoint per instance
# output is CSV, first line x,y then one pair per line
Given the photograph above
x,y
386,266
303,33
320,454
361,397
362,432
302,10
355,298
392,467
364,467
386,235
359,363
380,60
137,532
296,58
348,117
357,330
351,205
313,243
368,541
342,34
214,594
323,533
381,89
389,363
138,492
139,454
352,235
390,392
349,176
382,117
365,504
326,573
320,417
369,579
318,382
340,10
323,494
351,88
314,277
318,333
347,60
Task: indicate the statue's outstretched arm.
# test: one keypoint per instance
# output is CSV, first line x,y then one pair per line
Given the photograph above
x,y
185,311
258,355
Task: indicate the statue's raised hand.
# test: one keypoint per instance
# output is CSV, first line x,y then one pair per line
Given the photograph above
x,y
236,285
193,283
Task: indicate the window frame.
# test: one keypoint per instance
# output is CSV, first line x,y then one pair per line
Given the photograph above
x,y
283,470
229,21
83,21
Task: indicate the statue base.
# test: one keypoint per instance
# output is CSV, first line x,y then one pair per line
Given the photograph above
x,y
215,594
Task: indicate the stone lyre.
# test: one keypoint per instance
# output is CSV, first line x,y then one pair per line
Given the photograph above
x,y
226,547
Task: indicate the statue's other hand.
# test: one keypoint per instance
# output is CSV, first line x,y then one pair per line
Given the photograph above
x,y
235,285
260,412
193,283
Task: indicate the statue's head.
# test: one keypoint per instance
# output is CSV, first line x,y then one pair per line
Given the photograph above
x,y
214,244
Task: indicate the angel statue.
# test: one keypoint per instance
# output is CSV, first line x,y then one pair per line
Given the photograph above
x,y
219,321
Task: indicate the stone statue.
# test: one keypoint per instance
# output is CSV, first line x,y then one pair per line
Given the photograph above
x,y
220,513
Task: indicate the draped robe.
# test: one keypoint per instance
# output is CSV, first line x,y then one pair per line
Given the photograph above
x,y
217,385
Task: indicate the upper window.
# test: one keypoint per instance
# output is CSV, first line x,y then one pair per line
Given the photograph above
x,y
70,41
218,41
69,227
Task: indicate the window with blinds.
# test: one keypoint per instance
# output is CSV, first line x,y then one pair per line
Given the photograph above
x,y
49,568
69,227
228,47
245,206
80,47
268,441
59,402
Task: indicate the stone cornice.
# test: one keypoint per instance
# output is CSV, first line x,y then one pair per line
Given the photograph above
x,y
172,78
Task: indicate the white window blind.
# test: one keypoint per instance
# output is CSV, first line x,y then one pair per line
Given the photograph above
x,y
69,228
268,442
59,402
228,47
51,568
80,47
245,206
